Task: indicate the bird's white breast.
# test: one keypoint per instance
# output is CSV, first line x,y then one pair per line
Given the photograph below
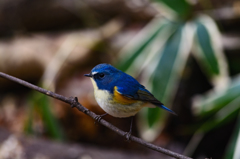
x,y
106,101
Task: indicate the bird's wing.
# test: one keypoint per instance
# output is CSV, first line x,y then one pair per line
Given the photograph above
x,y
123,99
141,94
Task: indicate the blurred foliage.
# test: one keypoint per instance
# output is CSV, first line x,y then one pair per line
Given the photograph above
x,y
159,54
39,106
233,146
182,8
217,108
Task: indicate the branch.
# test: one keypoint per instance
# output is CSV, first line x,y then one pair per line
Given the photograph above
x,y
74,103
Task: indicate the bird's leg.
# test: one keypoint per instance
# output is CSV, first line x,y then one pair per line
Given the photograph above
x,y
128,134
99,117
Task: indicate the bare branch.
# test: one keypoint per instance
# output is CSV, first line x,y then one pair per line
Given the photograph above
x,y
74,103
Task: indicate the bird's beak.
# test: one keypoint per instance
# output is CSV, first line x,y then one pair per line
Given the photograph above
x,y
88,75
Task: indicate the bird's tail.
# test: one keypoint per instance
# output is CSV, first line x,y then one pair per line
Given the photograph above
x,y
165,108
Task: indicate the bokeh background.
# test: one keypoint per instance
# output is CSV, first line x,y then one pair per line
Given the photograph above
x,y
186,52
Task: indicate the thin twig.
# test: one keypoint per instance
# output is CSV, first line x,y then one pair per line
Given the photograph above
x,y
74,103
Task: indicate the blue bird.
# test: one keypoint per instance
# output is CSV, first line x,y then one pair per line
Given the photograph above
x,y
119,94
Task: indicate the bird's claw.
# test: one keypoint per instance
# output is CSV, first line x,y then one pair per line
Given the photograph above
x,y
99,117
128,135
74,101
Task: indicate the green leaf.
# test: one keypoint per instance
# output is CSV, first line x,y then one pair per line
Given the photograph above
x,y
41,104
181,7
162,74
212,102
170,63
138,45
209,52
49,120
165,66
220,107
234,143
223,116
209,56
153,116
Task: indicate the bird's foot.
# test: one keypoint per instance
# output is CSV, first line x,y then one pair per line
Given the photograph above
x,y
99,117
74,101
128,135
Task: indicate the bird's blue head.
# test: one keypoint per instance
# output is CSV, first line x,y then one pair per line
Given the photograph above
x,y
104,77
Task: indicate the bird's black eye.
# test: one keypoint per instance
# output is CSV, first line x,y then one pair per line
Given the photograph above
x,y
101,75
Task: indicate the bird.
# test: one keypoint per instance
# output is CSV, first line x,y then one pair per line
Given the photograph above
x,y
119,94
